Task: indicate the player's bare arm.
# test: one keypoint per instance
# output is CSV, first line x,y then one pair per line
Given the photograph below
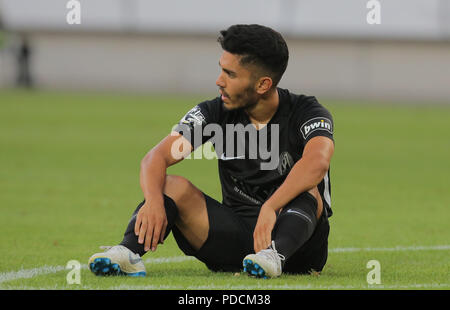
x,y
151,220
305,175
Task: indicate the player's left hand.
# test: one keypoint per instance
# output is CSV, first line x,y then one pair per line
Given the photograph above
x,y
262,235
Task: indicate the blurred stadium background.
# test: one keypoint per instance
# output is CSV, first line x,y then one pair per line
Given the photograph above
x,y
168,46
81,104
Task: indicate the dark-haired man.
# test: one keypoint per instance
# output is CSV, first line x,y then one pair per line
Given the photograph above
x,y
274,149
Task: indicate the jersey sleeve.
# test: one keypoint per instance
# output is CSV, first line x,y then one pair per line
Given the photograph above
x,y
314,120
192,124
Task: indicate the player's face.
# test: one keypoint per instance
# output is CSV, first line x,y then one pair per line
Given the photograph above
x,y
236,83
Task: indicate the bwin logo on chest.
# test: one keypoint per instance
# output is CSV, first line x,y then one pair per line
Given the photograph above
x,y
317,123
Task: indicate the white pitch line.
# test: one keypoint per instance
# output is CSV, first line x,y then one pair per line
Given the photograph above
x,y
29,273
172,259
393,249
33,272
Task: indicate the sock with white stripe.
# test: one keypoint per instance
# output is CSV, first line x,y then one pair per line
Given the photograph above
x,y
295,225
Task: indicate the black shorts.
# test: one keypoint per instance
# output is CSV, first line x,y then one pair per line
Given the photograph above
x,y
230,239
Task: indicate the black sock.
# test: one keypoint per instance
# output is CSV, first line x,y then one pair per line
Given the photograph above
x,y
294,226
130,240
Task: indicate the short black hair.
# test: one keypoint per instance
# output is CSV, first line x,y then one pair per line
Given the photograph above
x,y
258,45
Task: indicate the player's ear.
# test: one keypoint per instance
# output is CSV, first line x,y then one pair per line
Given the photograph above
x,y
263,85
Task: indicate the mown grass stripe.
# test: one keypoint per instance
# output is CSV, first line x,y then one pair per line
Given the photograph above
x,y
247,287
283,287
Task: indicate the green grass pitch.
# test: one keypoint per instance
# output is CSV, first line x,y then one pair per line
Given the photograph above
x,y
69,181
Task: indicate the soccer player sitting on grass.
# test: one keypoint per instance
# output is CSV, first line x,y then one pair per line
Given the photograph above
x,y
274,150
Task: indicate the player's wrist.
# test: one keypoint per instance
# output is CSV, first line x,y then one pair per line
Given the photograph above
x,y
270,206
154,199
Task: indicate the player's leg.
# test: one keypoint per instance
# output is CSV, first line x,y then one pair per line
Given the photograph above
x,y
130,240
295,225
192,220
296,222
202,227
230,237
184,205
312,255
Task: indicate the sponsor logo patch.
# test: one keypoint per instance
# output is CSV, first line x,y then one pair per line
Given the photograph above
x,y
314,124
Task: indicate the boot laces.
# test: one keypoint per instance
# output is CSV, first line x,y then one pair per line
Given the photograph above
x,y
271,253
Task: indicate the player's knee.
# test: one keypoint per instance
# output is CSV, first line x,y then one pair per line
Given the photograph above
x,y
188,199
177,188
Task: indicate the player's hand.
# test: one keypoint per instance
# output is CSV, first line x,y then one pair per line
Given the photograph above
x,y
151,223
262,235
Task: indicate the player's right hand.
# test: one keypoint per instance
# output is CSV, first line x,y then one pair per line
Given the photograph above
x,y
151,223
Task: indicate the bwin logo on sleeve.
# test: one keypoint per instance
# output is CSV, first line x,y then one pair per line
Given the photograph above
x,y
314,124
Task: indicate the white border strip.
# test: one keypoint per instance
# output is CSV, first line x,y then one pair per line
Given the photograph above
x,y
34,272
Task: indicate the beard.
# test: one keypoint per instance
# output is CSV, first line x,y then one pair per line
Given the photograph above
x,y
245,100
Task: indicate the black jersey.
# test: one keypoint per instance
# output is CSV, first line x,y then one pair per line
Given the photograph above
x,y
246,182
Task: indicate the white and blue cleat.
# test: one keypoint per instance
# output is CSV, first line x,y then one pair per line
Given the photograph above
x,y
253,269
264,264
117,261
